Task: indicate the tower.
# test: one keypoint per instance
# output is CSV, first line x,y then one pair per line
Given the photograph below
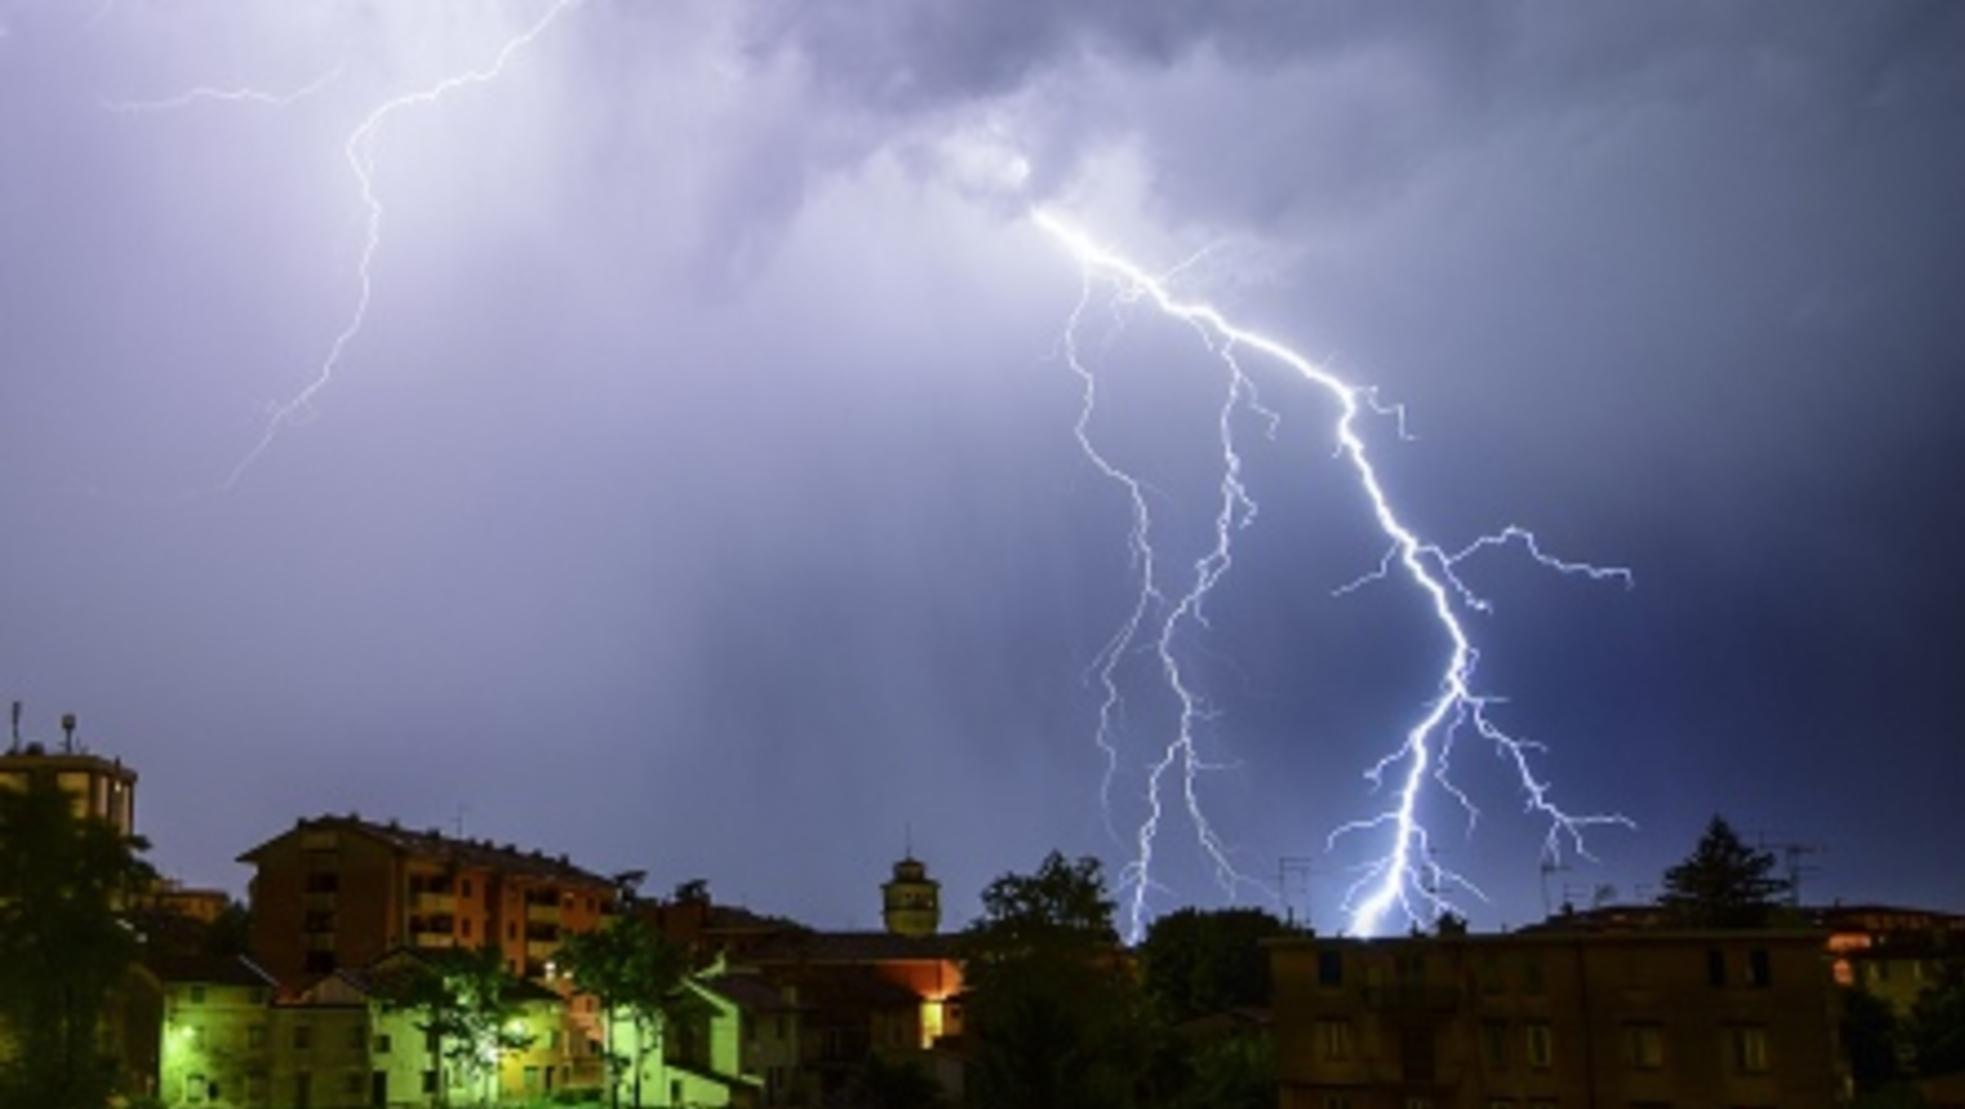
x,y
911,901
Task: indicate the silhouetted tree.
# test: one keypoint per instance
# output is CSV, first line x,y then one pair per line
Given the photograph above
x,y
1058,1018
64,944
628,968
1870,1035
1724,883
881,1084
1233,1072
1196,962
1937,1022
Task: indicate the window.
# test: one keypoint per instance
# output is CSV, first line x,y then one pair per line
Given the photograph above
x,y
1760,968
464,926
1541,1046
1644,1046
1330,967
303,1037
383,1044
194,1089
320,962
256,1036
197,995
1715,967
353,1083
303,1091
1490,975
1334,1040
196,1034
511,929
256,1087
464,887
1494,1044
1500,1103
429,1082
1749,1049
1532,982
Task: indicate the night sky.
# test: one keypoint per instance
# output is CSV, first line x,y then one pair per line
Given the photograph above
x,y
700,493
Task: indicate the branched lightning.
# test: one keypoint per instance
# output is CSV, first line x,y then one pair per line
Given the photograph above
x,y
359,149
1408,875
227,96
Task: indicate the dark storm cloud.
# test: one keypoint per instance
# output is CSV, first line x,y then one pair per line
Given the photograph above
x,y
701,495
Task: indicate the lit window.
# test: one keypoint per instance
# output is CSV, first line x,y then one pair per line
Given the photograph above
x,y
1334,1040
1541,1046
1644,1046
1749,1049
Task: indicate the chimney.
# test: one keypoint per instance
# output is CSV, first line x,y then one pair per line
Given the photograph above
x,y
68,733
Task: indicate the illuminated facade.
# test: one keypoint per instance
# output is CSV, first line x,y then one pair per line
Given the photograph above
x,y
911,902
101,788
342,892
1548,1018
1890,952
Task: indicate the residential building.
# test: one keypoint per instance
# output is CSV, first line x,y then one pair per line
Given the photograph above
x,y
340,891
215,1036
100,787
1557,1017
1889,951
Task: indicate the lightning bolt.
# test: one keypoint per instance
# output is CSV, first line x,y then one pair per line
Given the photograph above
x,y
1408,875
227,96
359,149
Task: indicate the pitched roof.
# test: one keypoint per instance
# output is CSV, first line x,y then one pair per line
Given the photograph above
x,y
204,969
854,947
750,993
433,844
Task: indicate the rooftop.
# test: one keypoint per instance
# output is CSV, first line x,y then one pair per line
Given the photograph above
x,y
433,844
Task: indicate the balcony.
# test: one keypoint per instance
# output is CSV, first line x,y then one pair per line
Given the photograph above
x,y
436,925
428,901
541,913
542,933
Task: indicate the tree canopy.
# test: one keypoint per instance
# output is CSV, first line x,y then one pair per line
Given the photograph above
x,y
1197,962
628,968
65,883
1724,883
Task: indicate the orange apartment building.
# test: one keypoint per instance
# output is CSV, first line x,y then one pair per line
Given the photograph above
x,y
1549,1018
340,891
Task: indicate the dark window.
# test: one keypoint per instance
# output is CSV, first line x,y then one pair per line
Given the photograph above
x,y
429,1082
320,962
1760,969
1716,967
464,926
1330,968
382,1044
511,929
1494,1043
324,882
1532,974
465,887
303,1037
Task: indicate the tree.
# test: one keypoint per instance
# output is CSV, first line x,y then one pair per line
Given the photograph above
x,y
1870,1035
1233,1072
1724,883
628,968
468,1005
1937,1022
1196,962
895,1085
1055,1010
64,943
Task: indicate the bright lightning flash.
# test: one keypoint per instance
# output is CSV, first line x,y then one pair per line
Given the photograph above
x,y
1407,876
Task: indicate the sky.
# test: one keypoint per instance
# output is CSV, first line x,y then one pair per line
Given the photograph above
x,y
699,491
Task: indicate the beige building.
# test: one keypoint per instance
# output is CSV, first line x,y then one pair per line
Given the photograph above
x,y
1557,1018
101,788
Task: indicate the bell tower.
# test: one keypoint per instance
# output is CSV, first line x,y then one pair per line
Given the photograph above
x,y
911,901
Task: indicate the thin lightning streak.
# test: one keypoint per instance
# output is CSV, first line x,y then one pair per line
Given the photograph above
x,y
1408,876
360,151
227,96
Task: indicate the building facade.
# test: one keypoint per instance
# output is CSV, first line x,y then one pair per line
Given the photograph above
x,y
337,892
1547,1018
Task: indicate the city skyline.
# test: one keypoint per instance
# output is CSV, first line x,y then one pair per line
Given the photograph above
x,y
699,492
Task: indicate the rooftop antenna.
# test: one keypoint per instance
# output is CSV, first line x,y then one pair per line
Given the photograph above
x,y
1549,866
908,832
1793,861
1295,866
15,749
68,733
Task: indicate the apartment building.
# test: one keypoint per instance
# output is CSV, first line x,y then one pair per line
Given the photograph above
x,y
340,891
1550,1018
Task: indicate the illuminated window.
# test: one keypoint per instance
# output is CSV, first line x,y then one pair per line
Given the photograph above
x,y
1644,1046
1334,1040
1541,1043
1749,1043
